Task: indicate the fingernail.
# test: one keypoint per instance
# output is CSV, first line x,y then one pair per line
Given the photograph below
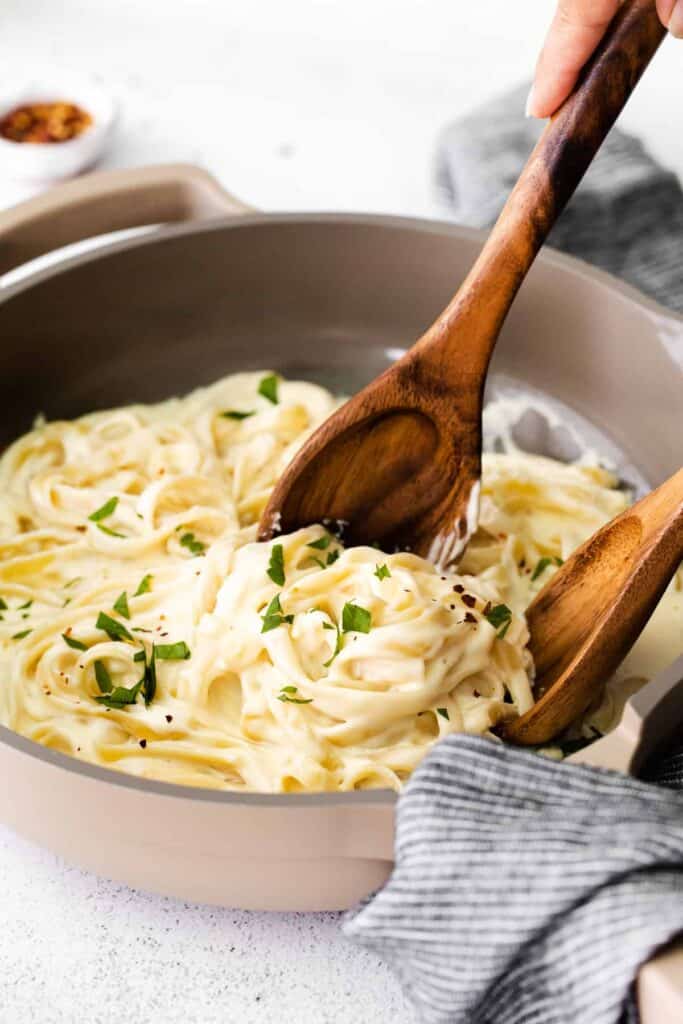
x,y
528,110
675,25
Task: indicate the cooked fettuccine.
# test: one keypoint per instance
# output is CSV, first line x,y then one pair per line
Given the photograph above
x,y
143,628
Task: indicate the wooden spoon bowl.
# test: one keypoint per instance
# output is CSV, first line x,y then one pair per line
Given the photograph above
x,y
588,616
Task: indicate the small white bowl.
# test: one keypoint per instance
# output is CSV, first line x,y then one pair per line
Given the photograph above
x,y
43,162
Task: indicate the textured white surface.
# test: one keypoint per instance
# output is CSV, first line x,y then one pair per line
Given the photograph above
x,y
75,948
311,104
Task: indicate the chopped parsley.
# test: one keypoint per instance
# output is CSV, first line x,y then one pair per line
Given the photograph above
x,y
382,572
114,629
274,616
140,655
144,586
355,619
333,556
121,696
338,645
543,564
103,678
121,605
172,652
268,388
444,713
20,636
234,414
3,605
500,618
189,541
322,543
104,511
288,696
73,582
77,645
110,533
149,677
276,565
26,604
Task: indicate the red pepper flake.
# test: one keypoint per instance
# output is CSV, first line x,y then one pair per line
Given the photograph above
x,y
458,588
469,617
475,693
469,600
45,122
169,718
143,743
487,609
81,529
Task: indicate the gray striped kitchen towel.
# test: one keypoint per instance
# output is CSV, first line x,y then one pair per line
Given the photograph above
x,y
527,891
626,216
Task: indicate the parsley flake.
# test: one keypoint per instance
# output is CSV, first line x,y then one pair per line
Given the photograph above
x,y
322,543
274,616
189,541
20,636
444,713
276,565
71,641
543,564
268,388
382,572
114,629
103,678
172,652
500,618
104,510
110,533
121,696
121,605
144,586
234,414
3,605
286,696
355,619
338,644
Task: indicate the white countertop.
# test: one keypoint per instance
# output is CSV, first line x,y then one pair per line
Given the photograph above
x,y
311,104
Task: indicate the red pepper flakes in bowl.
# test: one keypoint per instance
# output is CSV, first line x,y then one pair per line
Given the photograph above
x,y
45,122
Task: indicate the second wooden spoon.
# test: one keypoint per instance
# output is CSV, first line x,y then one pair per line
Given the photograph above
x,y
585,620
400,462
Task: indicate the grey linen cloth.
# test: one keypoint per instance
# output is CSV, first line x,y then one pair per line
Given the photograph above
x,y
625,217
527,891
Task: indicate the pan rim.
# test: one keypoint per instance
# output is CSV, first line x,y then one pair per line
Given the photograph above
x,y
564,262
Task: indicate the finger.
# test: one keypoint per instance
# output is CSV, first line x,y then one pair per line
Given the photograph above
x,y
575,31
671,14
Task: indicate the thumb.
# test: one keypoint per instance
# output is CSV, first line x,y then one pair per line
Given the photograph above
x,y
576,29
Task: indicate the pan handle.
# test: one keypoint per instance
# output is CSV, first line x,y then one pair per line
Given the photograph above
x,y
97,204
651,719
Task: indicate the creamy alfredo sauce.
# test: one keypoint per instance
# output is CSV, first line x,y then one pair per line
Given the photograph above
x,y
142,627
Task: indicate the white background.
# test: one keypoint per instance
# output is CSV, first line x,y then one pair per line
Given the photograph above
x,y
293,104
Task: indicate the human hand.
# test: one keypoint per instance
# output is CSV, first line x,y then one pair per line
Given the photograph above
x,y
576,29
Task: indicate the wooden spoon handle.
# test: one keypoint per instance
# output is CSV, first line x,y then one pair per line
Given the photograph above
x,y
553,171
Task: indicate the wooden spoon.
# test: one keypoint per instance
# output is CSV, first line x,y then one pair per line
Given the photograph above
x,y
586,619
400,462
